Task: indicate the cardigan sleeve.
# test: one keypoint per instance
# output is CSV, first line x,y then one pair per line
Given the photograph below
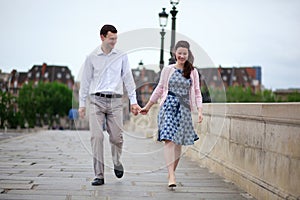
x,y
198,95
158,91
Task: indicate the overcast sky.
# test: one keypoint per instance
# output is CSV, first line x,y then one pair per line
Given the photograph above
x,y
231,32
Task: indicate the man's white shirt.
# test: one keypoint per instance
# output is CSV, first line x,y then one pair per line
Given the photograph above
x,y
106,74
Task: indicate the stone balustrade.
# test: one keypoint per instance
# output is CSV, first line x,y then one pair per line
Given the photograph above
x,y
254,145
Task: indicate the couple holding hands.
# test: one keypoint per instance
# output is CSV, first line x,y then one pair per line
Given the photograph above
x,y
106,70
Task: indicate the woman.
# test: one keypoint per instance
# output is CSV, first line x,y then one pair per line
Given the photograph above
x,y
179,91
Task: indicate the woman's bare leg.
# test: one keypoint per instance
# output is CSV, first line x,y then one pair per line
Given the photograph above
x,y
169,151
177,155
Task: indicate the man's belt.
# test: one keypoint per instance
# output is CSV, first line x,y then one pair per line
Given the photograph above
x,y
108,95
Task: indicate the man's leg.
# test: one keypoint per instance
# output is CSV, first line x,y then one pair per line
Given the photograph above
x,y
96,119
115,131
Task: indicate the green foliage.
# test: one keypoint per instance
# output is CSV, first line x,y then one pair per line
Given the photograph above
x,y
27,105
217,95
268,96
75,103
8,116
294,97
44,103
240,94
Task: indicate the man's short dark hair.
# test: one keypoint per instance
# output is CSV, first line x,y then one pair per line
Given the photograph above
x,y
106,28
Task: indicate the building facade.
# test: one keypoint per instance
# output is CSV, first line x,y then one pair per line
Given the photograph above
x,y
13,81
232,76
145,80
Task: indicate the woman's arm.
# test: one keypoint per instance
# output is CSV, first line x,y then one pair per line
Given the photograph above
x,y
198,95
157,93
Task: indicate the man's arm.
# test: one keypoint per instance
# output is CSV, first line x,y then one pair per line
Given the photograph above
x,y
87,74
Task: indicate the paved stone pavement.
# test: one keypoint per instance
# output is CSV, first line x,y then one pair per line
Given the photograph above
x,y
58,165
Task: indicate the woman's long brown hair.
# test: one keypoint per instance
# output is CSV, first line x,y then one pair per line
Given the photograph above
x,y
188,65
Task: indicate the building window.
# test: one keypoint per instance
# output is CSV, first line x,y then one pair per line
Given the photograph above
x,y
58,75
255,82
224,78
68,76
15,84
234,78
245,78
37,75
215,78
46,75
137,73
29,75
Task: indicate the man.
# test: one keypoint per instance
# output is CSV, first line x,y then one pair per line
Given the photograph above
x,y
105,70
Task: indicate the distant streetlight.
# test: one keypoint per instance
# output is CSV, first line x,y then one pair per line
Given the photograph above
x,y
173,12
141,63
163,20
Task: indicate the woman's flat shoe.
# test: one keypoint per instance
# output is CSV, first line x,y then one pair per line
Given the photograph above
x,y
171,185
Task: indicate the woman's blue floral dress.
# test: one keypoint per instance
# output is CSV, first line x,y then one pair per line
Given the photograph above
x,y
174,118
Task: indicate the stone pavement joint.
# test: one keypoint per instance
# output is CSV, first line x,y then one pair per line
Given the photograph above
x,y
58,165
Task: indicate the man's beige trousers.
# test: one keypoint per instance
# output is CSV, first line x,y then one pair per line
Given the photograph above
x,y
108,111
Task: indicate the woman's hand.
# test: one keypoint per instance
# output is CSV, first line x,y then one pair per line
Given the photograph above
x,y
146,109
200,116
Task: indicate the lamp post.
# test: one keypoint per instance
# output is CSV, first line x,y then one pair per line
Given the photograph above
x,y
173,13
163,20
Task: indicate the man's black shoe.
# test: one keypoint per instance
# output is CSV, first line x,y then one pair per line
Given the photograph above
x,y
119,171
98,181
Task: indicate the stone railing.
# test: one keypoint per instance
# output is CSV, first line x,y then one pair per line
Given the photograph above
x,y
254,145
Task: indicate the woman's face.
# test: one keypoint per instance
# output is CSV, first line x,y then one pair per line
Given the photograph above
x,y
181,54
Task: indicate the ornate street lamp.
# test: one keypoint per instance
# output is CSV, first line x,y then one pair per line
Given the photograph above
x,y
163,20
173,13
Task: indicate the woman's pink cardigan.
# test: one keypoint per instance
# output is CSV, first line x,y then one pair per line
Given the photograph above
x,y
161,91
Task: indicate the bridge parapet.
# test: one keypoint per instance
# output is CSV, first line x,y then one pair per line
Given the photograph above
x,y
254,145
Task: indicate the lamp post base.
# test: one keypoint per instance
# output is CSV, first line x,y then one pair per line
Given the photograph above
x,y
172,61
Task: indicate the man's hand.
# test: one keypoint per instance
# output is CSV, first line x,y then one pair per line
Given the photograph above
x,y
81,112
135,109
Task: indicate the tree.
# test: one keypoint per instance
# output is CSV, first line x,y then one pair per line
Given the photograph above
x,y
9,117
58,98
27,104
268,96
294,97
45,103
241,94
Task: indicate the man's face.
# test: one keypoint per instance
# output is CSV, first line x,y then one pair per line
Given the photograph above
x,y
110,40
